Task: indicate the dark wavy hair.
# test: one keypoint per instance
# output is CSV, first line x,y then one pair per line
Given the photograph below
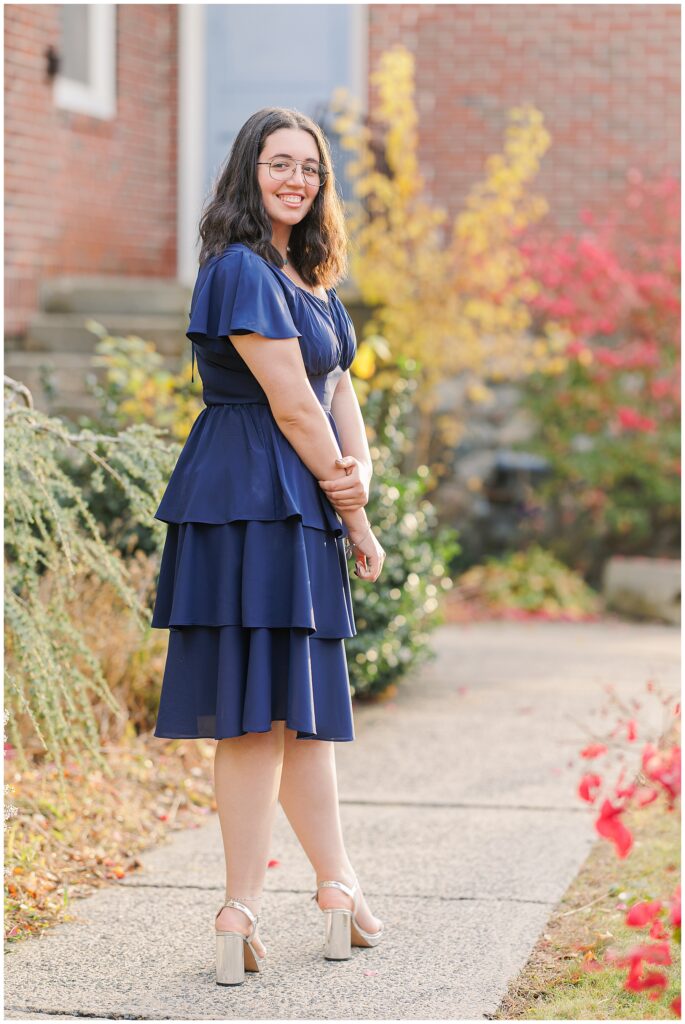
x,y
235,211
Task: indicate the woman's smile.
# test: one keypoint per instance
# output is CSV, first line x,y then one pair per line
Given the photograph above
x,y
291,198
294,192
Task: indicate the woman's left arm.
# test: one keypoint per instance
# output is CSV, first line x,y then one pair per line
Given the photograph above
x,y
353,440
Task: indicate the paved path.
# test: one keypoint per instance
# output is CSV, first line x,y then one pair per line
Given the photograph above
x,y
460,825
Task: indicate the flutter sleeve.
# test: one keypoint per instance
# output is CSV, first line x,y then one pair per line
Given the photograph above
x,y
236,293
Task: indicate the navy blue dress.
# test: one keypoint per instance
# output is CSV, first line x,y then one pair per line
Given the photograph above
x,y
253,583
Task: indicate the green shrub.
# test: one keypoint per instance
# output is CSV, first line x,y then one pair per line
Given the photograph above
x,y
137,389
53,541
394,615
529,583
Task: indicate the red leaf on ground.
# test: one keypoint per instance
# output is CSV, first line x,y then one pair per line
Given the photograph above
x,y
653,979
663,766
593,750
587,784
657,953
642,913
609,826
657,931
645,795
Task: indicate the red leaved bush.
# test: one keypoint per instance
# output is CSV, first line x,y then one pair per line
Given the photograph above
x,y
659,775
621,271
610,417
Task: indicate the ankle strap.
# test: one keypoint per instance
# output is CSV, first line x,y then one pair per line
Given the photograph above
x,y
253,918
338,885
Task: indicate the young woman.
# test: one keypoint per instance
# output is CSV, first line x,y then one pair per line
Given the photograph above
x,y
253,582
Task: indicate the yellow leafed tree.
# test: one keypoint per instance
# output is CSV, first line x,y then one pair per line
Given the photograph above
x,y
453,300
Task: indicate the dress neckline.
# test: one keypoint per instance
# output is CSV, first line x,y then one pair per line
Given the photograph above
x,y
299,287
326,303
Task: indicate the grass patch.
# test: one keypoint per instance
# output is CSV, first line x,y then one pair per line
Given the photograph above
x,y
554,984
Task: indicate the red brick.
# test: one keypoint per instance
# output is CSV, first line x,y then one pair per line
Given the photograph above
x,y
79,189
560,58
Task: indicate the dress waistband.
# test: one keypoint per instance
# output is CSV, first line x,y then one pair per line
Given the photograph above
x,y
240,401
252,401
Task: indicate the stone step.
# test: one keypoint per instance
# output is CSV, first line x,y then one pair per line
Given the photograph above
x,y
66,332
105,294
67,373
68,370
643,588
73,409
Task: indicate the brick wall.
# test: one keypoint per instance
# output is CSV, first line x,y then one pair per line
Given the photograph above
x,y
84,194
606,79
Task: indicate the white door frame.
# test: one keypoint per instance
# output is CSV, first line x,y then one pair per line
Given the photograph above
x,y
360,54
190,138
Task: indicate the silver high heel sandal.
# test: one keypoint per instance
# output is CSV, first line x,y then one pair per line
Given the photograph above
x,y
235,953
341,928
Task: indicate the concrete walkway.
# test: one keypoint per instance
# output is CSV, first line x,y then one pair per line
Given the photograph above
x,y
461,821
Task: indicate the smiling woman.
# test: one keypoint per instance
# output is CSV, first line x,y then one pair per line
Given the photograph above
x,y
253,583
246,204
289,181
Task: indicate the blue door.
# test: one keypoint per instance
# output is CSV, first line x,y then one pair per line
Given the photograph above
x,y
280,55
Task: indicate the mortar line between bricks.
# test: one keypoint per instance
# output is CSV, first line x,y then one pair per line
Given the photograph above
x,y
374,893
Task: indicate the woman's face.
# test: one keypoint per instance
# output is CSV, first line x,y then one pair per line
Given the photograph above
x,y
296,144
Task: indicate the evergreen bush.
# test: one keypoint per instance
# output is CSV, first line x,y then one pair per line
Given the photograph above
x,y
395,615
52,540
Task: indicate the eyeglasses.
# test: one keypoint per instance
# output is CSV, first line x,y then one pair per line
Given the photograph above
x,y
282,169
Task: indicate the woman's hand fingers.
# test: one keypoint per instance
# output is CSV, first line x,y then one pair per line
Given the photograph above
x,y
368,567
350,492
348,500
366,572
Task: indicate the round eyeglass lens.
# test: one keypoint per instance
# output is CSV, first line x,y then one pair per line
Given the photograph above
x,y
282,169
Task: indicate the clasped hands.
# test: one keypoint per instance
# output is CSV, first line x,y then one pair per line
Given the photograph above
x,y
351,492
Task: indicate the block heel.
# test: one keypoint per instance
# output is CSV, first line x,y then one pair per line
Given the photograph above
x,y
341,930
337,943
235,953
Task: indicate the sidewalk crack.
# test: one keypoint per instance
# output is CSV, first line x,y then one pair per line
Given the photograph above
x,y
375,893
462,806
80,1013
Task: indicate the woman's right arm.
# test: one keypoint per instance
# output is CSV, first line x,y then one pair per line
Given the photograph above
x,y
279,369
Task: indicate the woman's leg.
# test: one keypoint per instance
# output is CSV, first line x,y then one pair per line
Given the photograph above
x,y
309,798
247,774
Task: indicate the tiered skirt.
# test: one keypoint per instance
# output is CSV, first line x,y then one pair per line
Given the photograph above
x,y
257,608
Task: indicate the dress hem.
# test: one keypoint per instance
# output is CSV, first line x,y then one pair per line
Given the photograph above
x,y
314,634
245,732
339,531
